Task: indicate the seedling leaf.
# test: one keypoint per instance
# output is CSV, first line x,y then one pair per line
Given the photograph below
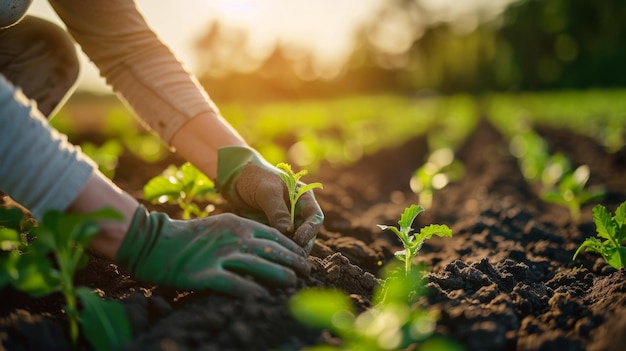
x,y
604,222
320,307
413,243
105,323
294,189
611,230
408,217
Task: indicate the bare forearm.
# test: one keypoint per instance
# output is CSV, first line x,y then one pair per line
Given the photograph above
x,y
99,192
199,139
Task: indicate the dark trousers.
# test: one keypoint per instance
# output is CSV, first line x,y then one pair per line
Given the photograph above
x,y
40,58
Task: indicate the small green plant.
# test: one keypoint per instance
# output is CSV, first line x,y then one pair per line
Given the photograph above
x,y
612,229
559,183
440,169
26,266
571,191
106,156
393,322
413,242
185,186
294,187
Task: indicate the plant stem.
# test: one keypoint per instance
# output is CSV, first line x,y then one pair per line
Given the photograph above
x,y
67,289
293,214
407,261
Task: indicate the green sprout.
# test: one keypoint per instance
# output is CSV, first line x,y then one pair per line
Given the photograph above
x,y
413,243
294,187
393,322
440,169
185,187
571,191
559,182
27,267
106,155
613,230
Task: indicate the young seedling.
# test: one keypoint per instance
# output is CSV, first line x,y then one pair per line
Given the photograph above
x,y
184,186
440,169
294,187
413,242
571,191
26,266
393,322
613,230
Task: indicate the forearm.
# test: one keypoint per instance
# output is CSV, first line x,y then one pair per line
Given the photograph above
x,y
136,63
99,192
200,138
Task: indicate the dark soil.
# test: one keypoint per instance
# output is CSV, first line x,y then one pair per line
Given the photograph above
x,y
505,281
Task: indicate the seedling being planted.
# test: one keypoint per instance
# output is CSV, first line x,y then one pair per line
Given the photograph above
x,y
294,187
413,242
613,230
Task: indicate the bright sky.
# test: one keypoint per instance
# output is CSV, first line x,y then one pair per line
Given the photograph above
x,y
325,25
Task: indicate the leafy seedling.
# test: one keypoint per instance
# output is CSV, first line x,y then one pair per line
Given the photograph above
x,y
413,242
440,169
571,191
393,322
26,266
611,233
106,156
295,188
185,186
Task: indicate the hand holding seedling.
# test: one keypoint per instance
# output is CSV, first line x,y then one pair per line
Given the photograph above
x,y
213,253
255,189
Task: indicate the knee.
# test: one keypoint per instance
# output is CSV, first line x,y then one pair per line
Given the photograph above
x,y
52,42
40,58
35,41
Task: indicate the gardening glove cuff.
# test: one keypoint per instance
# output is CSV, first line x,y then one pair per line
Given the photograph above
x,y
255,190
209,253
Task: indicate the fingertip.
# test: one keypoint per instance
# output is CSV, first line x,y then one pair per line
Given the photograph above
x,y
304,234
282,224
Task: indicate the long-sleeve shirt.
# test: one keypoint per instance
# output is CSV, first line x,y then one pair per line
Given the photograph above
x,y
38,167
135,62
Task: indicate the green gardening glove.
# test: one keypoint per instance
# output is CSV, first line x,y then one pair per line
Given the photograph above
x,y
252,186
213,253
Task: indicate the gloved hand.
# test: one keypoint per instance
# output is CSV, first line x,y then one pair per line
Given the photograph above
x,y
212,253
252,186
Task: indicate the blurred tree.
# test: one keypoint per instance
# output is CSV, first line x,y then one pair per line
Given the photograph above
x,y
564,44
413,45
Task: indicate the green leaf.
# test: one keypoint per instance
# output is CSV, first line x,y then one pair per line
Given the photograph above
x,y
186,182
321,308
11,218
440,230
408,216
104,323
592,245
36,276
8,267
397,286
604,222
303,189
9,239
161,189
620,222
